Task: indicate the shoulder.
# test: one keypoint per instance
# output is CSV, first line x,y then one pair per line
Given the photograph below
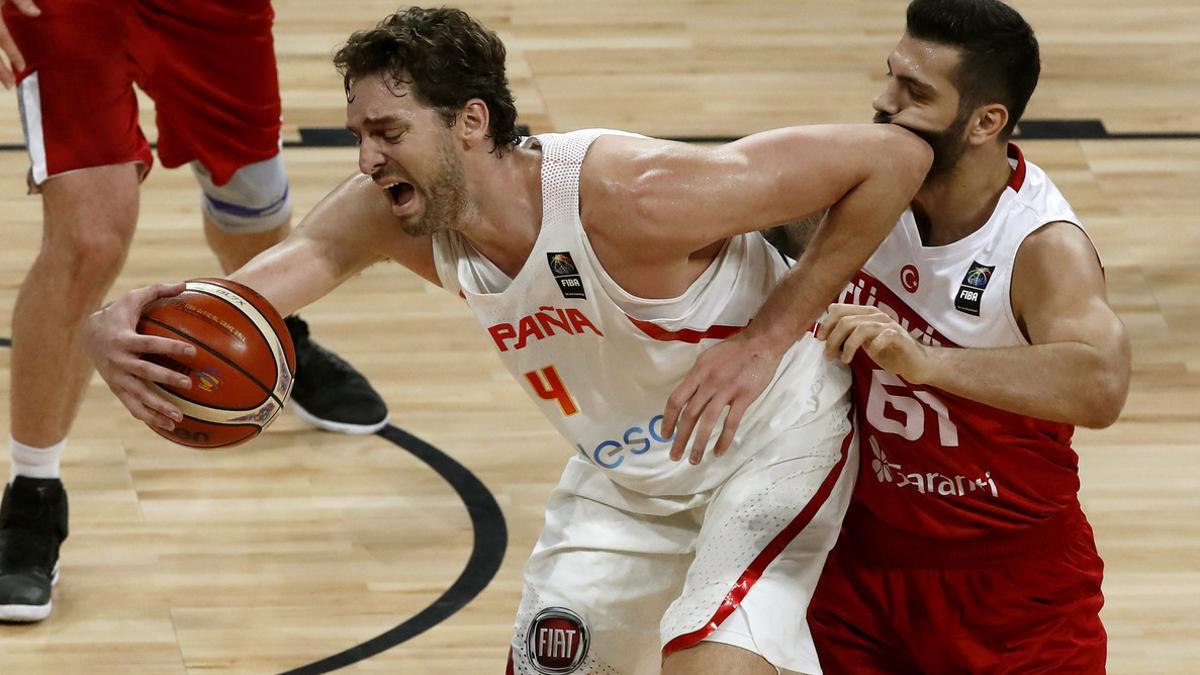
x,y
1056,268
624,178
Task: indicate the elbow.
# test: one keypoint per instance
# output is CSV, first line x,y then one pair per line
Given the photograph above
x,y
906,156
1106,402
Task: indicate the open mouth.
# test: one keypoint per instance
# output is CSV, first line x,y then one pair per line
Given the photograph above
x,y
400,193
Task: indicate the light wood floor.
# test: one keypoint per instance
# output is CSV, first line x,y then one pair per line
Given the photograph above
x,y
302,544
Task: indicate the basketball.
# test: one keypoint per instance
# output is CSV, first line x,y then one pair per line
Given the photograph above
x,y
243,368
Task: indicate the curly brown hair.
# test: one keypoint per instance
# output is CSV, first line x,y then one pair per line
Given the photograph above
x,y
445,57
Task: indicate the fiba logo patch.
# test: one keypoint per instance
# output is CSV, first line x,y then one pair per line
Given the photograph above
x,y
566,274
557,641
910,278
970,292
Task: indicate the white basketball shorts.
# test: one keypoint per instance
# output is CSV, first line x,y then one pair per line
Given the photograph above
x,y
618,579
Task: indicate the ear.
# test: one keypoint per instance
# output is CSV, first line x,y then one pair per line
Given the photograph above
x,y
987,124
474,119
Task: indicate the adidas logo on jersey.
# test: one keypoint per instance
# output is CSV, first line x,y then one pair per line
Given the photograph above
x,y
931,482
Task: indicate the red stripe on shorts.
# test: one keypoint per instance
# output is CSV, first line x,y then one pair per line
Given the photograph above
x,y
768,554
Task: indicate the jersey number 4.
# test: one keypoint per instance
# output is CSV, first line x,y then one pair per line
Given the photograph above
x,y
549,386
909,408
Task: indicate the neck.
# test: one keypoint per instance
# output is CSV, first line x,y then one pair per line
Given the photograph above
x,y
507,196
953,205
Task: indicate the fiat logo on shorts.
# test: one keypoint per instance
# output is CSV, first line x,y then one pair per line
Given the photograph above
x,y
557,641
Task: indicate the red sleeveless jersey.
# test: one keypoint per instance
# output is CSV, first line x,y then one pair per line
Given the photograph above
x,y
934,464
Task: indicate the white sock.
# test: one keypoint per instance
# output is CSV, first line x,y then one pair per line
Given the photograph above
x,y
35,462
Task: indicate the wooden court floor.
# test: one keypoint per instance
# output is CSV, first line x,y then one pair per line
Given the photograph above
x,y
302,544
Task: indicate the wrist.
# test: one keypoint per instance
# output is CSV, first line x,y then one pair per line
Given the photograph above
x,y
929,367
771,339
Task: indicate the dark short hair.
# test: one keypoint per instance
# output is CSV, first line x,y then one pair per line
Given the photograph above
x,y
1000,58
445,57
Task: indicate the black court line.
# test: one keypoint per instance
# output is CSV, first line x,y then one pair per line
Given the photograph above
x,y
491,541
487,552
1041,130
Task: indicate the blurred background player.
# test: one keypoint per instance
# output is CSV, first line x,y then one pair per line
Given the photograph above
x,y
210,68
979,335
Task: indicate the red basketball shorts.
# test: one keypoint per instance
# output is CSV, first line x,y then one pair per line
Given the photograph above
x,y
209,66
1036,612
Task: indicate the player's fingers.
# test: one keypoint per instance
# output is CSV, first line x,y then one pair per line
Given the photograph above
x,y
704,428
141,412
151,372
140,297
9,47
160,406
687,422
845,326
880,346
154,344
832,316
736,409
863,332
675,403
27,7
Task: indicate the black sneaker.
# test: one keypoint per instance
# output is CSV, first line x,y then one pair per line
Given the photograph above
x,y
329,393
33,523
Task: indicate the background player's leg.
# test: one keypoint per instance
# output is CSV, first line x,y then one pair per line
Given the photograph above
x,y
88,222
242,218
235,250
89,218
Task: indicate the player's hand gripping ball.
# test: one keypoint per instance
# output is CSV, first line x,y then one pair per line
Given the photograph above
x,y
243,368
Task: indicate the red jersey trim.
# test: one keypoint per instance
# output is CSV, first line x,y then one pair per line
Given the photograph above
x,y
1018,177
772,550
689,335
509,669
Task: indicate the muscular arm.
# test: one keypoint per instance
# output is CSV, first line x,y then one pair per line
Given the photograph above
x,y
1076,370
650,205
348,231
866,175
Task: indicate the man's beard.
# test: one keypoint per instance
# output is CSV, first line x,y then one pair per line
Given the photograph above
x,y
948,144
447,201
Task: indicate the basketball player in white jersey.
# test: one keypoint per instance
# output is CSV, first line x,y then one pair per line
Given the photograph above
x,y
979,335
600,264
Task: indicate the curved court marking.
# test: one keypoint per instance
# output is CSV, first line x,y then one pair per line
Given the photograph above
x,y
491,540
487,552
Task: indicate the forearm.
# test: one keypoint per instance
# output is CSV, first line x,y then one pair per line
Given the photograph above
x,y
1069,382
850,233
291,275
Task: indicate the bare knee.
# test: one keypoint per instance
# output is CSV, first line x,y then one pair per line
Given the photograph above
x,y
714,658
88,225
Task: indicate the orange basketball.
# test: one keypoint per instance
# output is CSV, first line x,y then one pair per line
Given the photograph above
x,y
243,368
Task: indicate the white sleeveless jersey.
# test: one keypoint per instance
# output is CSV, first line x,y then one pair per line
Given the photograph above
x,y
600,363
961,289
936,464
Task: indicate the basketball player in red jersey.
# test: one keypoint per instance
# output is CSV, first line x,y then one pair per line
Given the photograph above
x,y
210,68
979,336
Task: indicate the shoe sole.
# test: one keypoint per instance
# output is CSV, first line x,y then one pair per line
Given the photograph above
x,y
28,613
336,427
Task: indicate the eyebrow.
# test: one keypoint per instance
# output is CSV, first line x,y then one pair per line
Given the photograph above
x,y
385,121
920,85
